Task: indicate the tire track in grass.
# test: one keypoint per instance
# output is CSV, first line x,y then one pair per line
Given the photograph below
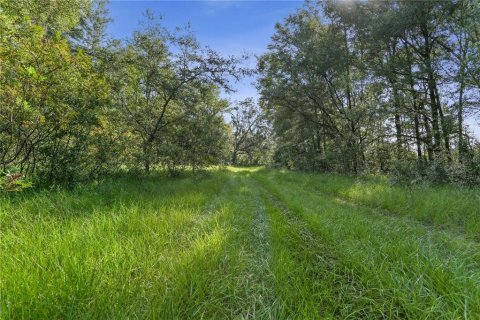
x,y
191,293
251,254
455,233
450,242
397,275
228,278
260,258
310,184
310,281
176,286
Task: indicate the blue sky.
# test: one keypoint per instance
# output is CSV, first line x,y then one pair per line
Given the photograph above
x,y
230,27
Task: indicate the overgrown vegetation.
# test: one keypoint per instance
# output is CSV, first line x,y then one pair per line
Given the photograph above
x,y
376,86
76,104
258,244
345,86
372,94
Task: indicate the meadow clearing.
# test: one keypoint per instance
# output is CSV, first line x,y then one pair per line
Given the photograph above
x,y
241,244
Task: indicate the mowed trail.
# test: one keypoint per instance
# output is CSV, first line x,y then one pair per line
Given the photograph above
x,y
160,248
242,244
336,259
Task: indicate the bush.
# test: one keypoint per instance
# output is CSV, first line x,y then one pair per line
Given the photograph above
x,y
407,172
439,171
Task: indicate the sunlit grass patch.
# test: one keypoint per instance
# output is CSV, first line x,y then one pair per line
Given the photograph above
x,y
244,169
381,265
234,244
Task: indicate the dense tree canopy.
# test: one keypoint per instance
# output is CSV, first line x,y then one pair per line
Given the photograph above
x,y
345,86
375,86
75,104
49,95
251,134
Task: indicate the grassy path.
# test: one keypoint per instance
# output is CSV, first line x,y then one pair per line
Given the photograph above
x,y
230,245
372,265
450,208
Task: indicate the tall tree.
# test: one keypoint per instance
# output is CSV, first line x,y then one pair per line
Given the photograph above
x,y
250,133
157,70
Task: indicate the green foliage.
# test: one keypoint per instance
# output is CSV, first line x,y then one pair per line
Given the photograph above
x,y
363,87
357,87
50,97
75,106
166,89
251,138
200,138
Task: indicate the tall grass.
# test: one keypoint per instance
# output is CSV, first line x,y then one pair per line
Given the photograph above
x,y
237,244
334,259
446,207
130,248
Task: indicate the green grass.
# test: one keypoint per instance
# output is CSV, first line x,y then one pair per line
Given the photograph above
x,y
445,207
240,244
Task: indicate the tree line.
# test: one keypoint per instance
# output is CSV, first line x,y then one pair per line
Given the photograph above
x,y
345,86
76,104
376,86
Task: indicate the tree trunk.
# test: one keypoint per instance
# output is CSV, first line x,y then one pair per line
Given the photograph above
x,y
432,89
418,141
445,129
398,123
147,166
147,150
437,135
234,157
430,148
464,43
416,109
461,142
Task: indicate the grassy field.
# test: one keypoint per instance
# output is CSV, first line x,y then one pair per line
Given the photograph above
x,y
241,244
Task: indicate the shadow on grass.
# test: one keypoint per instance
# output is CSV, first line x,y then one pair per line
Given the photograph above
x,y
443,207
115,194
